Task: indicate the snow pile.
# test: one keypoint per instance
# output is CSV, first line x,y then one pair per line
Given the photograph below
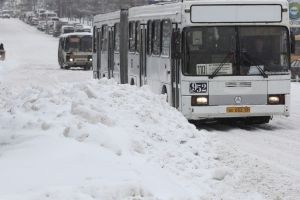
x,y
99,140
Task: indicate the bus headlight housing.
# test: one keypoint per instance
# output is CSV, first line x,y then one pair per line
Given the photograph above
x,y
199,100
277,99
69,59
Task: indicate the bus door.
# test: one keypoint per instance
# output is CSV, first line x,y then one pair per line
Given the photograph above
x,y
116,52
143,40
175,65
104,51
98,52
110,52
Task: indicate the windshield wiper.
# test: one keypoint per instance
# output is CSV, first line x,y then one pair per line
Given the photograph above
x,y
220,66
254,61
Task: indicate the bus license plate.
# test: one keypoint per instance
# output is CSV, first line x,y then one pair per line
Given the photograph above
x,y
238,109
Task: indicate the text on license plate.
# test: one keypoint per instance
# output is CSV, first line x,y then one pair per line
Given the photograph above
x,y
238,109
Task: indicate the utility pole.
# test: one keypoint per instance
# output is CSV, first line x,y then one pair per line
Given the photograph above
x,y
34,2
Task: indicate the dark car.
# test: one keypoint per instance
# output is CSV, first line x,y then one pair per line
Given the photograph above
x,y
2,55
295,69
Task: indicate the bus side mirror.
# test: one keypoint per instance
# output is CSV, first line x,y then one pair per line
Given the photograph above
x,y
176,45
293,43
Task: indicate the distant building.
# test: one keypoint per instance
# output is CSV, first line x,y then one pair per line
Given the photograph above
x,y
26,5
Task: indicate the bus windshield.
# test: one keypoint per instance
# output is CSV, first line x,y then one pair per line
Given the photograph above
x,y
236,50
76,44
68,30
86,44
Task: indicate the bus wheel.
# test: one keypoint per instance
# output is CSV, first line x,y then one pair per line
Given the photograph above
x,y
60,63
257,120
164,91
132,82
87,68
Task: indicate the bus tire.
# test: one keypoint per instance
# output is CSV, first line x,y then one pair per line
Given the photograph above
x,y
87,68
66,67
164,91
60,63
132,82
257,120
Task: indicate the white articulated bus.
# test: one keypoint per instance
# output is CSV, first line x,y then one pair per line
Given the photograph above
x,y
221,59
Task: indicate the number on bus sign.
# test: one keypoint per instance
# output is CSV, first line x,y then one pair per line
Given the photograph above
x,y
198,88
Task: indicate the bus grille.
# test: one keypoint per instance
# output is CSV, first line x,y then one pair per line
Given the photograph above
x,y
238,84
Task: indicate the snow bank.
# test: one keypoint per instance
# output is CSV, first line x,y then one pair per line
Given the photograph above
x,y
99,140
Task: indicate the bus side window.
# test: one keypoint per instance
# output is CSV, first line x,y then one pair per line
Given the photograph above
x,y
137,36
156,37
117,37
99,40
62,43
104,37
95,39
166,37
149,37
132,35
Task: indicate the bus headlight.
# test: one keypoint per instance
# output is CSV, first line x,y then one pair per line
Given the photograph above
x,y
276,99
199,100
69,58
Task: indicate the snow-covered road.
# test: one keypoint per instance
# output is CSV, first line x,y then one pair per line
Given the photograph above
x,y
267,156
31,57
64,136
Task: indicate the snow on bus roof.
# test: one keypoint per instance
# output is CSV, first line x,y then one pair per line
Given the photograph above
x,y
239,1
171,8
76,34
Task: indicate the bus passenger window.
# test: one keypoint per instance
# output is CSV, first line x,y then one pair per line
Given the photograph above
x,y
95,39
104,44
117,38
156,37
99,40
149,37
138,36
166,37
132,35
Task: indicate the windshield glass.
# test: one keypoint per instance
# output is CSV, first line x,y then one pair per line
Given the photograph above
x,y
51,15
236,51
68,30
86,44
76,44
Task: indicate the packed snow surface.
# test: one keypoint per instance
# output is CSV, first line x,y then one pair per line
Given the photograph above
x,y
64,136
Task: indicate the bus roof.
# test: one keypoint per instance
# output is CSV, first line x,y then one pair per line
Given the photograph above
x,y
75,34
239,1
171,9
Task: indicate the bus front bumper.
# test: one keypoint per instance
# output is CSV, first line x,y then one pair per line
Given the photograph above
x,y
80,64
233,111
